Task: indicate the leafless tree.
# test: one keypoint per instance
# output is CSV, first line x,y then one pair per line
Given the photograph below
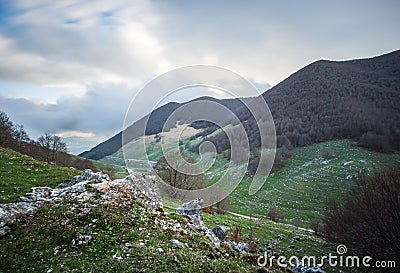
x,y
369,221
174,177
20,136
53,146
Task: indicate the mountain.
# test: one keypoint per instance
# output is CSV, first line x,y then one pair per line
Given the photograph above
x,y
326,100
358,99
156,121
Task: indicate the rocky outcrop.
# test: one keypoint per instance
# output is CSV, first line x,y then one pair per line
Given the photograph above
x,y
217,235
36,198
192,209
135,188
88,175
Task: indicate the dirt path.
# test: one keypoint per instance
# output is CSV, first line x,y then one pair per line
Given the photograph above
x,y
254,218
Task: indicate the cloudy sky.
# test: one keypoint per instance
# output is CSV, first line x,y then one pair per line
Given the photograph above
x,y
72,67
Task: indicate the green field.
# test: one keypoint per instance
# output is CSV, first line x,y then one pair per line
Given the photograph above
x,y
301,189
42,240
124,239
18,173
119,171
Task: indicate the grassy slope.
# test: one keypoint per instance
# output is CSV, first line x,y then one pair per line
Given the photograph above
x,y
18,173
302,188
42,240
120,172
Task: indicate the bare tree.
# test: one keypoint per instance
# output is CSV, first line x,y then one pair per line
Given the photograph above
x,y
53,145
45,141
5,120
220,199
174,177
5,129
20,136
369,221
275,214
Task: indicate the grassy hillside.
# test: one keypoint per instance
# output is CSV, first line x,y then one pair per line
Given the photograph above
x,y
118,171
123,239
130,241
18,173
302,188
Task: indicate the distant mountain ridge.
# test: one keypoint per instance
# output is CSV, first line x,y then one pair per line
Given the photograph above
x,y
358,99
155,125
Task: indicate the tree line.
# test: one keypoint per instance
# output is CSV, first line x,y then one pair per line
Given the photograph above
x,y
358,100
48,147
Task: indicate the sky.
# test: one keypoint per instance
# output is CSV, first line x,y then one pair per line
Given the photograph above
x,y
72,67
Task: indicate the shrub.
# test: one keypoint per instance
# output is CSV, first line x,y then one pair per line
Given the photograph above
x,y
317,226
369,221
379,143
275,214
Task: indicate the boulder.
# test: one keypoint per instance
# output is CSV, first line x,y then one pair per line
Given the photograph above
x,y
177,243
192,209
81,240
89,175
241,247
221,232
214,239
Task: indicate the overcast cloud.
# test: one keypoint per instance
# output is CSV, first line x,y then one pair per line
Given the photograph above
x,y
72,67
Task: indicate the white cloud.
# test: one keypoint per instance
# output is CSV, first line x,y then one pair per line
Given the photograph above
x,y
98,53
92,113
69,44
72,133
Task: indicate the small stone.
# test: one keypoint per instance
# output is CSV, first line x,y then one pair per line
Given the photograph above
x,y
177,243
160,250
242,247
128,245
4,230
221,232
116,257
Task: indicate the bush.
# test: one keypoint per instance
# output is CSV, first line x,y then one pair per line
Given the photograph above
x,y
369,221
275,214
296,222
379,143
317,226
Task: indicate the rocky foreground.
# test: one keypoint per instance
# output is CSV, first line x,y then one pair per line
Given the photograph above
x,y
99,189
93,200
84,188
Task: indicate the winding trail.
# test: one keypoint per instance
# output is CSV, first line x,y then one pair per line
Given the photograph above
x,y
254,218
